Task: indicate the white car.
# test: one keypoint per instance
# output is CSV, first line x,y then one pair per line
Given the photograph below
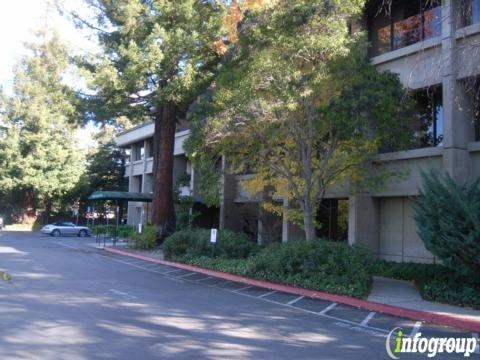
x,y
65,228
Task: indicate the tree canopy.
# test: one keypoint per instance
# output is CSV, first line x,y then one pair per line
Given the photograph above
x,y
39,155
157,57
300,106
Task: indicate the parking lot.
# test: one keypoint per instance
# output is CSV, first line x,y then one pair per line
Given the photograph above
x,y
71,300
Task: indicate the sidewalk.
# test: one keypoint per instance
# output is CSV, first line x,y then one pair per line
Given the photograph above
x,y
404,294
393,297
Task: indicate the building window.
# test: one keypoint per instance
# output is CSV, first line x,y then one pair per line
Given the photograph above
x,y
469,12
407,23
332,218
136,185
476,107
138,151
149,149
128,155
428,125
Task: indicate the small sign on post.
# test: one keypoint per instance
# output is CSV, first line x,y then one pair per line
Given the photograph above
x,y
213,236
213,240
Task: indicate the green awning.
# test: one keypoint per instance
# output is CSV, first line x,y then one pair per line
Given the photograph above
x,y
120,195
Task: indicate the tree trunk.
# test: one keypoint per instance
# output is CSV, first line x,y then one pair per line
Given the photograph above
x,y
163,212
308,221
29,212
48,210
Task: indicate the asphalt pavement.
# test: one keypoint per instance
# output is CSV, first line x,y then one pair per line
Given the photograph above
x,y
68,300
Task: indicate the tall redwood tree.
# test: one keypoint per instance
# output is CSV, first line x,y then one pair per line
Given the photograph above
x,y
158,55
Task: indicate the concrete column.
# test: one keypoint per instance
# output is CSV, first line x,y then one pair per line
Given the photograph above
x,y
457,127
363,221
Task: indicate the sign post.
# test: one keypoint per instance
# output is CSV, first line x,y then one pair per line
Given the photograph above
x,y
213,240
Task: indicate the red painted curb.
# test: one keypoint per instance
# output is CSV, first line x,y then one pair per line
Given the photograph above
x,y
418,315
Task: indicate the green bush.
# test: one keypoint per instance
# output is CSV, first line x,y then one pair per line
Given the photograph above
x,y
146,240
434,281
320,265
196,242
448,219
124,231
233,266
405,271
233,245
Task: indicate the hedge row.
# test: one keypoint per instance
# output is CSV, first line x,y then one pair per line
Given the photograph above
x,y
319,265
124,231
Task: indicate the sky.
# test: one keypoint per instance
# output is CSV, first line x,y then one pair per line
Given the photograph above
x,y
18,21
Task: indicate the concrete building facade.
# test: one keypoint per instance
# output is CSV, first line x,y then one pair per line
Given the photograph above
x,y
434,46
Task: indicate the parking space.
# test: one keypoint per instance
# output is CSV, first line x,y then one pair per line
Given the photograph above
x,y
373,323
389,322
148,307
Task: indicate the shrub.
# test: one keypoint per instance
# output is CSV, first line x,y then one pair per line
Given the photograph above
x,y
233,245
146,240
196,242
187,242
448,220
321,265
234,266
124,231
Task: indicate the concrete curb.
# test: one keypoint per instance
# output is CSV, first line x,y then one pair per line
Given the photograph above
x,y
446,320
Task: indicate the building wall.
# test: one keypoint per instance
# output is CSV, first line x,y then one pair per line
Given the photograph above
x,y
383,219
398,239
140,172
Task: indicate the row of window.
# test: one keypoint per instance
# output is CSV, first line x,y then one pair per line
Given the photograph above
x,y
139,151
428,122
408,22
428,126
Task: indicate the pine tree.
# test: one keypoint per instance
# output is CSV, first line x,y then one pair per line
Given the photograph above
x,y
158,56
39,156
447,215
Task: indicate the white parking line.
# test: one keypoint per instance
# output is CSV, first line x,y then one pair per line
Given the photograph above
x,y
328,308
295,300
136,262
68,246
268,293
145,269
243,288
416,328
172,271
323,313
477,349
355,326
152,266
148,264
368,318
187,275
